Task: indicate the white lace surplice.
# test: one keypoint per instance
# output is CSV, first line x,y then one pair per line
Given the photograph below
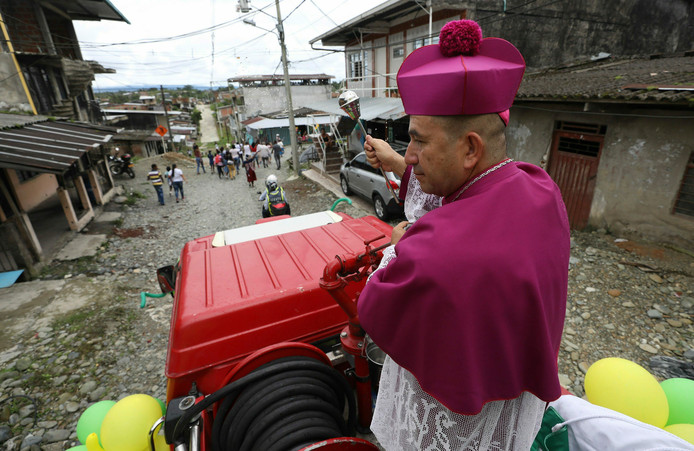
x,y
408,418
417,202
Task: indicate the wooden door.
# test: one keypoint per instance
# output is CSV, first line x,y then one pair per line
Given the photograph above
x,y
574,167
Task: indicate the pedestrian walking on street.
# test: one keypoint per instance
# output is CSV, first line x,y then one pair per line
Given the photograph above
x,y
154,176
231,167
277,152
235,157
219,164
264,152
198,159
247,153
167,176
177,178
210,157
250,172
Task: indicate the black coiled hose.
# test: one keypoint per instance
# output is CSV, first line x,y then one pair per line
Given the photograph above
x,y
283,405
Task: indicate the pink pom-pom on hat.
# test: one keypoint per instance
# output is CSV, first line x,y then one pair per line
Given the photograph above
x,y
480,76
460,37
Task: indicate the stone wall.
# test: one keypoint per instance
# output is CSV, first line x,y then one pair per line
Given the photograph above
x,y
571,30
13,98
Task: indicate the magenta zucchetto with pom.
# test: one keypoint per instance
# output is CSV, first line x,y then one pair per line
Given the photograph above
x,y
463,74
460,37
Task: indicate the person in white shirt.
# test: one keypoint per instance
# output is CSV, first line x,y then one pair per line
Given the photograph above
x,y
177,178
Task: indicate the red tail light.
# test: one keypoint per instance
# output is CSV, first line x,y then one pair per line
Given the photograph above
x,y
394,184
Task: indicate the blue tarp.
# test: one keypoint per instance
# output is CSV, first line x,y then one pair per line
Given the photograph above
x,y
7,279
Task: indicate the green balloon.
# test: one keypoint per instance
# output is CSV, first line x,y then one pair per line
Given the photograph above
x,y
680,398
90,421
162,405
78,448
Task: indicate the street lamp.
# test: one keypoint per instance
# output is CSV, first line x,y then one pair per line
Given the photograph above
x,y
288,87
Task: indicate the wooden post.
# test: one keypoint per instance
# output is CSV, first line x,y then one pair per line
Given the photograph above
x,y
96,187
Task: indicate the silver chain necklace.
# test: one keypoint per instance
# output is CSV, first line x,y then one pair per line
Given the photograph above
x,y
482,175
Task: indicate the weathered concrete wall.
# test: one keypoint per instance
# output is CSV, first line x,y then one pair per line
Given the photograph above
x,y
34,191
640,173
273,98
641,167
568,30
12,95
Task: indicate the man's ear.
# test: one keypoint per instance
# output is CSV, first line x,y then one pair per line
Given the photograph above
x,y
473,148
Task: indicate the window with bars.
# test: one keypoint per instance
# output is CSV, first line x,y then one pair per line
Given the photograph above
x,y
356,65
420,42
684,204
578,127
579,146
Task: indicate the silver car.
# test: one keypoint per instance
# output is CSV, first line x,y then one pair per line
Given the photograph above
x,y
358,177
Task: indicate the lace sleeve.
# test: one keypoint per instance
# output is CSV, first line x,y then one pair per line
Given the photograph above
x,y
417,202
388,255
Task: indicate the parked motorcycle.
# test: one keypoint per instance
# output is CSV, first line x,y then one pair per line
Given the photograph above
x,y
121,165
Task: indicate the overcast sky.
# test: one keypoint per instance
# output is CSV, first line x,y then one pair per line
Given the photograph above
x,y
203,57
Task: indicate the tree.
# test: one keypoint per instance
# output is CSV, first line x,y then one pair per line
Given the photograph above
x,y
196,116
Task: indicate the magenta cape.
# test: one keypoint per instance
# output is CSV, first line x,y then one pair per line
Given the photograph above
x,y
474,303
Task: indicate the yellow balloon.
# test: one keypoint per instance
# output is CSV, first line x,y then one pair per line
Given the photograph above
x,y
160,441
627,387
92,442
683,431
126,425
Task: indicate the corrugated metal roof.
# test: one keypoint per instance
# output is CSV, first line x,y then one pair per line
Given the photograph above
x,y
159,112
252,120
280,123
667,80
371,108
49,146
18,120
89,9
276,77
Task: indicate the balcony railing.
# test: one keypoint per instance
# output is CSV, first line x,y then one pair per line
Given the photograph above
x,y
380,85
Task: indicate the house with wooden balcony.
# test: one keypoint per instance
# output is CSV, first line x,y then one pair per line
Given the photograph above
x,y
41,66
53,156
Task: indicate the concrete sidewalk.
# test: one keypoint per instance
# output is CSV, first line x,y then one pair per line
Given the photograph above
x,y
333,186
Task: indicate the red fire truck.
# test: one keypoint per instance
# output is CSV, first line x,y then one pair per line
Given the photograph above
x,y
265,347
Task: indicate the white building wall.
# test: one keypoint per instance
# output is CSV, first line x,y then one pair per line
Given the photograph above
x,y
268,99
380,68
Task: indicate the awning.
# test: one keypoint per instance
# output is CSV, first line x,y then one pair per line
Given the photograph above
x,y
284,123
87,9
386,108
49,146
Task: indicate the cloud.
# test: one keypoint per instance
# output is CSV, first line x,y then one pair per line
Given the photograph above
x,y
235,48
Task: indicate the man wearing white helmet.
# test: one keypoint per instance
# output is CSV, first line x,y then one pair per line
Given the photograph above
x,y
274,199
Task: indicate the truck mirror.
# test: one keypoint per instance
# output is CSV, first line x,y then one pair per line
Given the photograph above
x,y
166,276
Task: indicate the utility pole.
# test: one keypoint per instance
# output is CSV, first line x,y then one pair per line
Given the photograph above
x,y
287,84
166,113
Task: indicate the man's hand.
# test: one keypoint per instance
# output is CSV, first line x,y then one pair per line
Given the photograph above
x,y
379,154
398,231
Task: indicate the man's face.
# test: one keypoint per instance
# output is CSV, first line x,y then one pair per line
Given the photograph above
x,y
437,159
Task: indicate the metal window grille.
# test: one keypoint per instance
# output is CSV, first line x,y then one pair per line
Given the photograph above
x,y
579,146
577,127
684,204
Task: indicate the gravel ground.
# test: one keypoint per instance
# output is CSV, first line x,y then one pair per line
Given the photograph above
x,y
626,299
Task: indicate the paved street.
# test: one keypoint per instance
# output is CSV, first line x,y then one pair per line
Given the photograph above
x,y
208,126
